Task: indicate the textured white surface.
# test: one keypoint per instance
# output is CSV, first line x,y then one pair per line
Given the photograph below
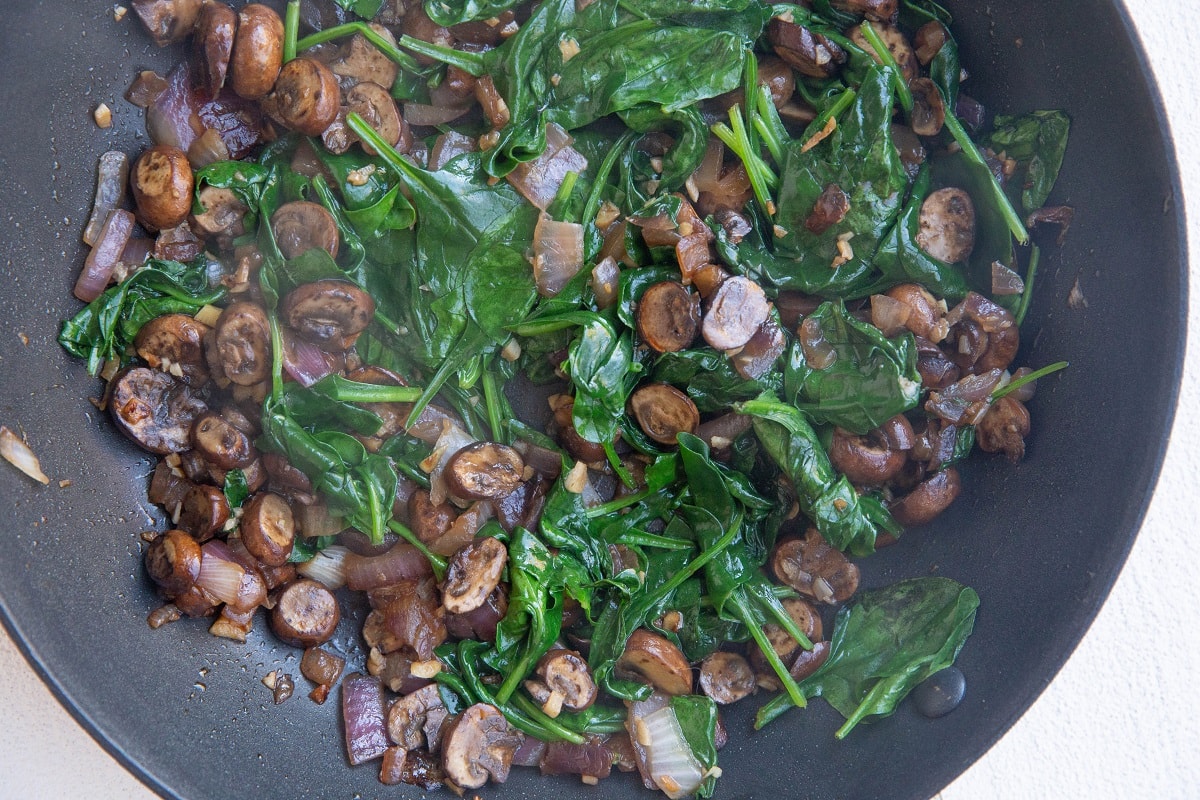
x,y
1121,720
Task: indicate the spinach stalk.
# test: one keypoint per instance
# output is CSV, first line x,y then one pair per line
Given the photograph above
x,y
291,29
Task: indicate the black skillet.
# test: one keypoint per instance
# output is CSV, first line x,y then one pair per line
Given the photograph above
x,y
1042,542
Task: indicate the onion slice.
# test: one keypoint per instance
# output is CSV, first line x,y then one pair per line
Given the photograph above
x,y
112,176
106,254
17,453
328,566
557,254
365,718
540,179
673,765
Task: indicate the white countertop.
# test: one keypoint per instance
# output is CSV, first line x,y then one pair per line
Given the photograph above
x,y
1122,719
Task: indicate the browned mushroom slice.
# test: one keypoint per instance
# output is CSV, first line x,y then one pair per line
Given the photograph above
x,y
417,24
726,677
929,499
522,507
484,471
240,348
306,97
359,61
563,428
223,217
565,673
865,460
897,45
926,318
1001,349
174,343
472,574
213,45
929,110
220,443
1003,428
668,317
807,619
407,716
167,21
657,661
268,528
154,409
814,569
173,561
429,520
328,313
874,10
831,207
809,53
203,512
162,182
663,412
257,51
300,226
734,314
305,614
480,744
928,40
373,103
947,225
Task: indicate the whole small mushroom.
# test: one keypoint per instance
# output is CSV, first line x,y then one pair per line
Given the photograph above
x,y
162,183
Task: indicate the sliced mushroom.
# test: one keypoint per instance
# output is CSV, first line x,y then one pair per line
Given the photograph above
x,y
947,225
926,317
305,614
484,471
480,744
897,44
1001,350
407,716
167,21
222,444
224,216
162,182
929,40
240,345
418,25
929,499
154,409
726,677
173,561
257,51
807,619
563,427
565,673
429,521
809,661
213,45
668,317
657,661
306,97
359,61
373,103
203,512
936,370
328,313
734,314
663,412
473,574
815,569
174,343
300,226
809,53
1003,428
268,528
865,460
929,110
759,355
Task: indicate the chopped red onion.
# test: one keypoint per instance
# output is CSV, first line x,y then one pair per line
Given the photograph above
x,y
1005,281
106,254
365,718
327,566
529,753
427,115
304,361
888,314
448,146
818,353
463,529
402,562
540,179
592,758
606,278
172,118
557,254
112,176
146,88
220,574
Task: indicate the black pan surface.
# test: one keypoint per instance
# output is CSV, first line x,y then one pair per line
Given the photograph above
x,y
1041,542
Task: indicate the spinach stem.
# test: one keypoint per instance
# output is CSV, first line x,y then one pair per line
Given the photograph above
x,y
348,391
835,109
613,506
1017,383
592,206
276,357
535,713
370,34
738,598
491,396
437,562
768,124
971,151
291,29
470,63
1035,256
903,93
